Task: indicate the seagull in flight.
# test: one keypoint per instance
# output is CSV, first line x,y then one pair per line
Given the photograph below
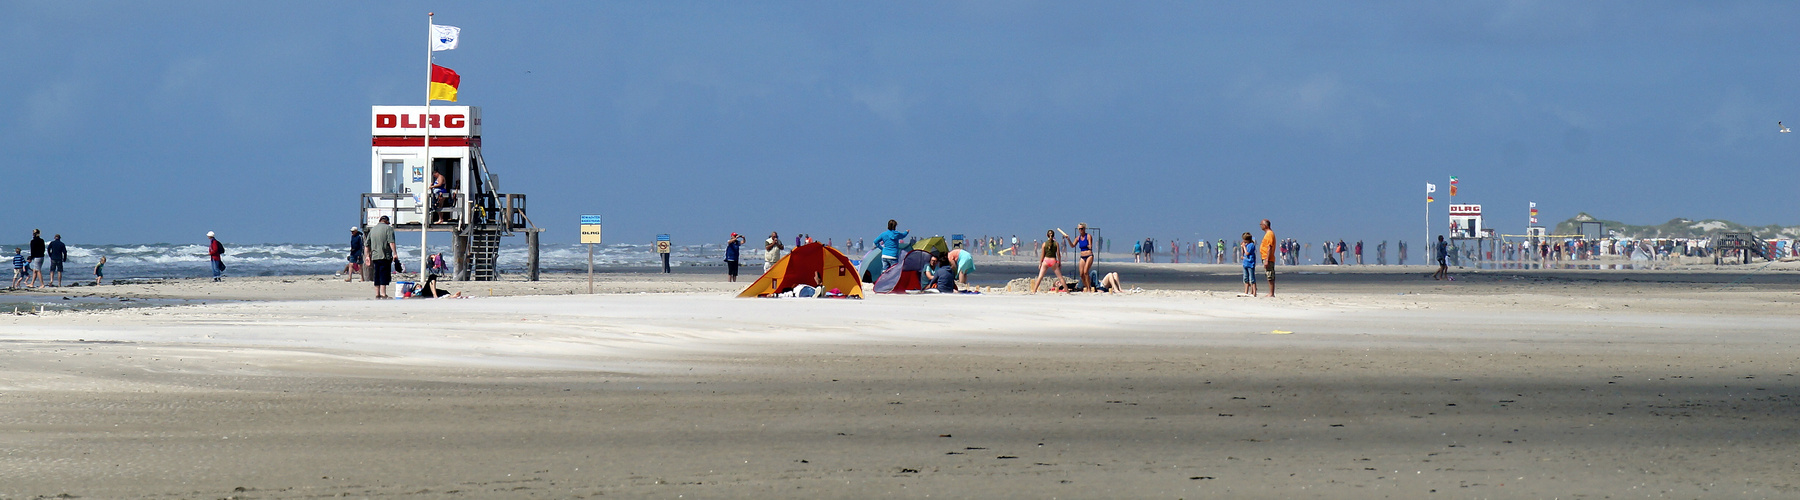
x,y
1784,128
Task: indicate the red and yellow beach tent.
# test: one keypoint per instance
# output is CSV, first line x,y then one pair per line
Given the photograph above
x,y
810,264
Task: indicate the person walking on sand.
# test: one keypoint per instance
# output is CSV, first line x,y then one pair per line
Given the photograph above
x,y
215,251
1048,251
354,269
1249,256
58,254
772,250
1359,260
731,256
1443,252
37,259
1268,254
378,255
889,243
100,271
19,275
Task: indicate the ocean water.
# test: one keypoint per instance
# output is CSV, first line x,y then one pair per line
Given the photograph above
x,y
165,260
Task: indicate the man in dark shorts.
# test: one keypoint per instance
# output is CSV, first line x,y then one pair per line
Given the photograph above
x,y
380,251
1443,252
354,268
58,253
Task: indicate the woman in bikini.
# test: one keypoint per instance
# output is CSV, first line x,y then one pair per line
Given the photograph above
x,y
1084,255
1049,261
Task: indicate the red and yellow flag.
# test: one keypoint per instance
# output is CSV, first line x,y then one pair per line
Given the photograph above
x,y
443,83
1429,199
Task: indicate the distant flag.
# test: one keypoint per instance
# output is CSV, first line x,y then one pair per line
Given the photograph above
x,y
1452,188
1429,199
1453,180
444,37
1430,188
1534,204
444,82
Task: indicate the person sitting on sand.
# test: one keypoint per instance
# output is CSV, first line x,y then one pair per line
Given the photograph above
x,y
943,274
1048,251
1105,284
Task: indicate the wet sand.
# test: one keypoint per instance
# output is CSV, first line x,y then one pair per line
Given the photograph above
x,y
1358,383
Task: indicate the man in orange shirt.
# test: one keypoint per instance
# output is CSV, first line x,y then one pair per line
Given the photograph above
x,y
1267,251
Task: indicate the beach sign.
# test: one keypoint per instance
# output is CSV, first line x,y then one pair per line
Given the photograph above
x,y
590,229
662,243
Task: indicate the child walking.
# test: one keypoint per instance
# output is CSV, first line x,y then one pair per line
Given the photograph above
x,y
100,271
1249,265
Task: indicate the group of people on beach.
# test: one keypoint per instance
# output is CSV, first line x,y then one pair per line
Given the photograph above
x,y
375,257
30,269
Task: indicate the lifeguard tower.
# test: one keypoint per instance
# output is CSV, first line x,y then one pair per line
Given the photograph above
x,y
471,207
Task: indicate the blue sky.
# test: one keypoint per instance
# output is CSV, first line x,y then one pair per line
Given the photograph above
x,y
156,122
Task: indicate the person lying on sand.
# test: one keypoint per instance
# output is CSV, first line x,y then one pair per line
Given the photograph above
x,y
431,291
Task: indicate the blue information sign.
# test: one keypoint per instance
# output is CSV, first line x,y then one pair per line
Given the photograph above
x,y
590,219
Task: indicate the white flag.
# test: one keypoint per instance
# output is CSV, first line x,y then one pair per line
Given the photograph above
x,y
444,37
1534,204
1430,188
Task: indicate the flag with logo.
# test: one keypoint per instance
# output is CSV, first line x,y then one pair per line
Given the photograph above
x,y
1430,188
444,37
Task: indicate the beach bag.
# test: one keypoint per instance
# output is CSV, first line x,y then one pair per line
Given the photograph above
x,y
398,268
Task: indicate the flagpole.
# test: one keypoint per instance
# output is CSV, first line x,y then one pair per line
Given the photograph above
x,y
430,165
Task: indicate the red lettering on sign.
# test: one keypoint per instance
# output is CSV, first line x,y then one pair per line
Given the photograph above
x,y
454,121
406,122
434,121
384,121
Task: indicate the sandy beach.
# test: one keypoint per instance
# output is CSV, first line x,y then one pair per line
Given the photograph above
x,y
1358,382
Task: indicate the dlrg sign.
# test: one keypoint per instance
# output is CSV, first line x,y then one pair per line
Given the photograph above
x,y
410,121
418,121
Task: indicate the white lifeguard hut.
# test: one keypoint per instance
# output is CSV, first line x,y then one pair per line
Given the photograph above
x,y
470,206
1465,222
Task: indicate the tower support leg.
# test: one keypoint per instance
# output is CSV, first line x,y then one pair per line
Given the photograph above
x,y
459,249
531,255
